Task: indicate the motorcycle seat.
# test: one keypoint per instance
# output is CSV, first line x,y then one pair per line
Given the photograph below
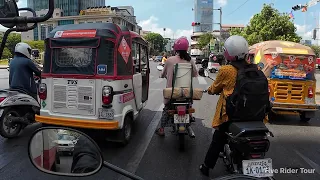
x,y
249,127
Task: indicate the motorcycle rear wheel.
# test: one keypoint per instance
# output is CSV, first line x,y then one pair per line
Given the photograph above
x,y
181,141
4,131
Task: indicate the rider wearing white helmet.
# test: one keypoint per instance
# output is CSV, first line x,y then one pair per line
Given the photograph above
x,y
235,49
22,69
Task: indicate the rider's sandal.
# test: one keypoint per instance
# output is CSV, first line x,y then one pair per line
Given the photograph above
x,y
204,169
160,131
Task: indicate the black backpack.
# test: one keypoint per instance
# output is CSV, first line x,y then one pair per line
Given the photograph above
x,y
250,98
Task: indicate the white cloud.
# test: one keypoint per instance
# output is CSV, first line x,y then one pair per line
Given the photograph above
x,y
151,24
222,2
303,31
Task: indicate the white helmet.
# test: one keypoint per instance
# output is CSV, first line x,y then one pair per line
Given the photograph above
x,y
236,47
23,48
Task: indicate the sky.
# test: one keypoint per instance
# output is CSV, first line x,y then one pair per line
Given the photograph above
x,y
177,15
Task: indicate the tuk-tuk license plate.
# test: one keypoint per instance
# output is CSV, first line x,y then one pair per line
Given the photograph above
x,y
257,167
181,119
106,113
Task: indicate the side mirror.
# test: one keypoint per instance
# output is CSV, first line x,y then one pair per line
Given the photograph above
x,y
8,9
47,153
202,72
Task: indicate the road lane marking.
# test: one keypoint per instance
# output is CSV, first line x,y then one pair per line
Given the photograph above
x,y
135,159
202,80
159,80
310,162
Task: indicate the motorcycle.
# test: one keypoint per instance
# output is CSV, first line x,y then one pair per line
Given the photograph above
x,y
17,110
180,119
246,147
86,158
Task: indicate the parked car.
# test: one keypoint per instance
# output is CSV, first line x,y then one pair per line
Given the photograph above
x,y
158,59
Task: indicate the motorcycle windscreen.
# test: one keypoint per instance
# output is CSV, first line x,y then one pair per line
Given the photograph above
x,y
74,56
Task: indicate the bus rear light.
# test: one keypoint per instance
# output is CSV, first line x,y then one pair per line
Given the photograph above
x,y
107,95
43,91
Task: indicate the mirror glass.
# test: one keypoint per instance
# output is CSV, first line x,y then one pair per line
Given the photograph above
x,y
64,152
8,9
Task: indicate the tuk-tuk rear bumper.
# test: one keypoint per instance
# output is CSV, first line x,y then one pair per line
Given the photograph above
x,y
294,107
79,123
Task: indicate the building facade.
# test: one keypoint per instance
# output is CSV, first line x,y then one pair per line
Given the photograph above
x,y
68,7
91,15
203,14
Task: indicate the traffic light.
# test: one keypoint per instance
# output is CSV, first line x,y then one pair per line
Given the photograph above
x,y
195,24
297,7
314,34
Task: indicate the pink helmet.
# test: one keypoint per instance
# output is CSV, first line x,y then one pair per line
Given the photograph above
x,y
181,44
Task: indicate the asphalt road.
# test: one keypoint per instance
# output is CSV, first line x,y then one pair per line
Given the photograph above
x,y
295,145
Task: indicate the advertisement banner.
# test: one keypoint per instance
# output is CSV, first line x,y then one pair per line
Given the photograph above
x,y
75,33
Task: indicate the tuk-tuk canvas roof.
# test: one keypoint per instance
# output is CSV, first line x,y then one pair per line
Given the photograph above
x,y
275,46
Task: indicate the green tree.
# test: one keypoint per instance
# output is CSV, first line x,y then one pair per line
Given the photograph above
x,y
156,42
316,49
12,40
6,54
204,40
269,24
37,45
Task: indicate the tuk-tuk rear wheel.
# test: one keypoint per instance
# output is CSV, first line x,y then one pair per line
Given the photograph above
x,y
126,130
303,117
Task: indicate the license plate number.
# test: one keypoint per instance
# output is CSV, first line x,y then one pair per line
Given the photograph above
x,y
181,119
62,149
257,167
106,113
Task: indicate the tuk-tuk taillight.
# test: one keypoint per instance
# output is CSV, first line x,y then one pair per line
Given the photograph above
x,y
43,91
310,92
107,95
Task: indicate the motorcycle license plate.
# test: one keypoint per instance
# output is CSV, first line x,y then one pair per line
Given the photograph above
x,y
181,119
257,167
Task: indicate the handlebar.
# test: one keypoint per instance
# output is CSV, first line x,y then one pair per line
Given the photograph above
x,y
24,19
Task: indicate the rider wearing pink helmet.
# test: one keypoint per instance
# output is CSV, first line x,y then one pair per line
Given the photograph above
x,y
180,47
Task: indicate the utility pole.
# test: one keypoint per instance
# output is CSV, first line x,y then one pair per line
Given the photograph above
x,y
220,29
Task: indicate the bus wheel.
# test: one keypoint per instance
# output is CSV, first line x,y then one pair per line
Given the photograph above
x,y
126,130
303,118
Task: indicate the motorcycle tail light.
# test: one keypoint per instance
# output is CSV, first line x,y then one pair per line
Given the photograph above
x,y
43,91
310,92
181,110
107,95
255,156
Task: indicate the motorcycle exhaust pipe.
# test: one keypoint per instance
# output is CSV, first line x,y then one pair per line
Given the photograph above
x,y
17,120
190,132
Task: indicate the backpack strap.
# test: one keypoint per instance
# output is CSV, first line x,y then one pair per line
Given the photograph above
x,y
174,79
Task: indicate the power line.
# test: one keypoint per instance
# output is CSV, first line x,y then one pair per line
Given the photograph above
x,y
238,7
